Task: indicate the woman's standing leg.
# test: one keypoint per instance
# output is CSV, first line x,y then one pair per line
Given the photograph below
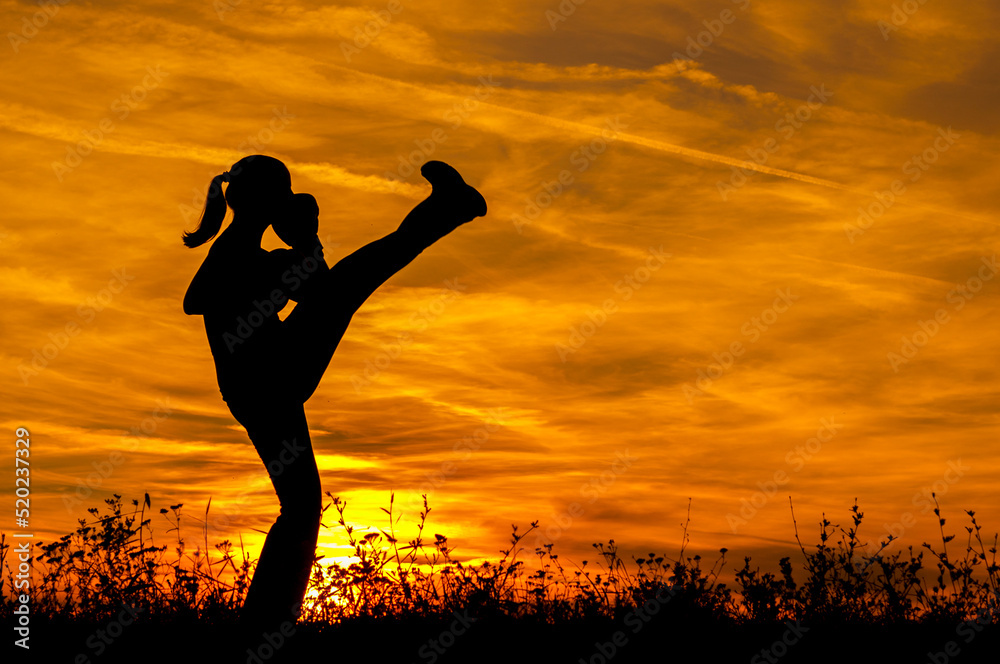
x,y
281,436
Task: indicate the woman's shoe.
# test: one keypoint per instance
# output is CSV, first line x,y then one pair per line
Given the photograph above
x,y
449,190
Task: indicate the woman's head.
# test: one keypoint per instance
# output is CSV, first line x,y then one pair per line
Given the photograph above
x,y
257,184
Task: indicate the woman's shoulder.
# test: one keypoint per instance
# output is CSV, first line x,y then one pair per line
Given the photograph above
x,y
226,246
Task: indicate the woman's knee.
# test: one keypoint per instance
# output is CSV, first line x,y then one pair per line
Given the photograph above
x,y
304,503
304,516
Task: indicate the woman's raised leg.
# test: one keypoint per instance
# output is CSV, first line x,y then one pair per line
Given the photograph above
x,y
313,330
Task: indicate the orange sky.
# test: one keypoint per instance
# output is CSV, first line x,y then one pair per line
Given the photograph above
x,y
636,322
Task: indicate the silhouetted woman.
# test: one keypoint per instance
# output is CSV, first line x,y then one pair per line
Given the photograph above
x,y
267,368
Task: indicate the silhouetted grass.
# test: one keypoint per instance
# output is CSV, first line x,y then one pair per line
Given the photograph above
x,y
84,579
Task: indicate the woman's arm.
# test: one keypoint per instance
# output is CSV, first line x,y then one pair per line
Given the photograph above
x,y
198,296
292,272
219,285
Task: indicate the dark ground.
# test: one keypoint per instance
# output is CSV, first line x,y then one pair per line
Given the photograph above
x,y
502,640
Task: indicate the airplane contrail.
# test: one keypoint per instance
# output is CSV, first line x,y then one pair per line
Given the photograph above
x,y
890,274
661,146
19,118
25,120
729,161
580,127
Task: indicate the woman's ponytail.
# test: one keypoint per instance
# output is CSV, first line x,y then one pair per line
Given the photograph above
x,y
212,217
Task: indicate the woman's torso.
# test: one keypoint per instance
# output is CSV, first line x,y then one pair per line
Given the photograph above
x,y
244,332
